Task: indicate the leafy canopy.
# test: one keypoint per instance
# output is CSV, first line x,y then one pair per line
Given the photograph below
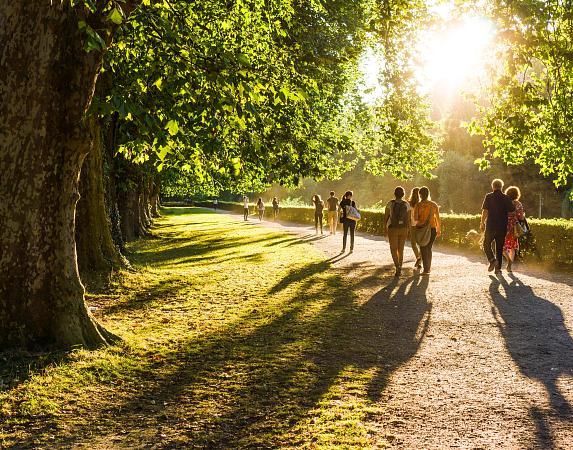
x,y
530,111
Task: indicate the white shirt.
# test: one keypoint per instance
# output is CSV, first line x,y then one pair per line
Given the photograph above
x,y
246,202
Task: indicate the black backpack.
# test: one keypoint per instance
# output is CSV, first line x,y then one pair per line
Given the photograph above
x,y
399,214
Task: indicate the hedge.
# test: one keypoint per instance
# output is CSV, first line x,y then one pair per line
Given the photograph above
x,y
550,240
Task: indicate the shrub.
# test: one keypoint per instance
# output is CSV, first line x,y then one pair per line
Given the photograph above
x,y
550,240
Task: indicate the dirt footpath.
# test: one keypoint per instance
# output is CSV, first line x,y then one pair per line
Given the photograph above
x,y
478,361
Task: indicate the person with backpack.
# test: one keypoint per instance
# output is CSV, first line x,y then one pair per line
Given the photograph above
x,y
318,208
397,224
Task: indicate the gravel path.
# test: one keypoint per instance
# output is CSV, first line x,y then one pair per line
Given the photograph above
x,y
476,361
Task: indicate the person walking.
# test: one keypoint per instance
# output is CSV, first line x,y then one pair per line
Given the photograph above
x,y
215,204
260,208
397,223
427,213
494,217
511,243
332,202
275,208
318,208
413,201
348,224
245,208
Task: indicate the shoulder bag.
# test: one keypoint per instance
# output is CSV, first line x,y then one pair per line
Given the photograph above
x,y
352,213
424,232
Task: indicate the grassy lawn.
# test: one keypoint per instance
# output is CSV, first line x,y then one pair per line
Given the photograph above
x,y
233,336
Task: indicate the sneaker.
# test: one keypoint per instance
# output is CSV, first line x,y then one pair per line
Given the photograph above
x,y
343,250
492,265
498,271
351,250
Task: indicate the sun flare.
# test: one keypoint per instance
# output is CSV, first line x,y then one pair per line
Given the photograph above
x,y
456,54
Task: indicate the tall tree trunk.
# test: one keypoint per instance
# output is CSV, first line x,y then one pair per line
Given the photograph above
x,y
155,197
144,203
132,200
128,203
111,189
94,244
46,86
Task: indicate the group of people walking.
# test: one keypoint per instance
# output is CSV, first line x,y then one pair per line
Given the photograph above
x,y
502,222
337,212
259,208
417,219
403,219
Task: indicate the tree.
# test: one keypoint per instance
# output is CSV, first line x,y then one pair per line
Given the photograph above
x,y
530,110
47,85
227,91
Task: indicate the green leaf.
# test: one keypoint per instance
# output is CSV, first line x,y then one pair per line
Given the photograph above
x,y
115,16
172,127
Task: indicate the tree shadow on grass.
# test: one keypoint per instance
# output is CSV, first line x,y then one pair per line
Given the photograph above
x,y
184,210
381,334
300,273
166,290
283,241
538,341
191,250
264,381
17,367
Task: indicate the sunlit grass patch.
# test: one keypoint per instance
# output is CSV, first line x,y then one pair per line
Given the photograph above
x,y
232,337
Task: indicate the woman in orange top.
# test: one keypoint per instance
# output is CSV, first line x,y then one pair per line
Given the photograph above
x,y
423,210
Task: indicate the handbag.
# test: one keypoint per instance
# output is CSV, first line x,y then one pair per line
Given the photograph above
x,y
352,213
424,232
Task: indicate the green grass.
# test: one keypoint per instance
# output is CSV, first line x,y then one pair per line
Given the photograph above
x,y
233,335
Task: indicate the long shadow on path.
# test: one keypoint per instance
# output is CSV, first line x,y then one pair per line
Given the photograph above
x,y
538,341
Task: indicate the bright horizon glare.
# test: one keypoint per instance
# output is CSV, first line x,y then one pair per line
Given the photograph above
x,y
450,58
456,54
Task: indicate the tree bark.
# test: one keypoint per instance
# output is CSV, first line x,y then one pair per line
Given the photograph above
x,y
156,187
132,201
144,203
94,244
46,86
111,164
